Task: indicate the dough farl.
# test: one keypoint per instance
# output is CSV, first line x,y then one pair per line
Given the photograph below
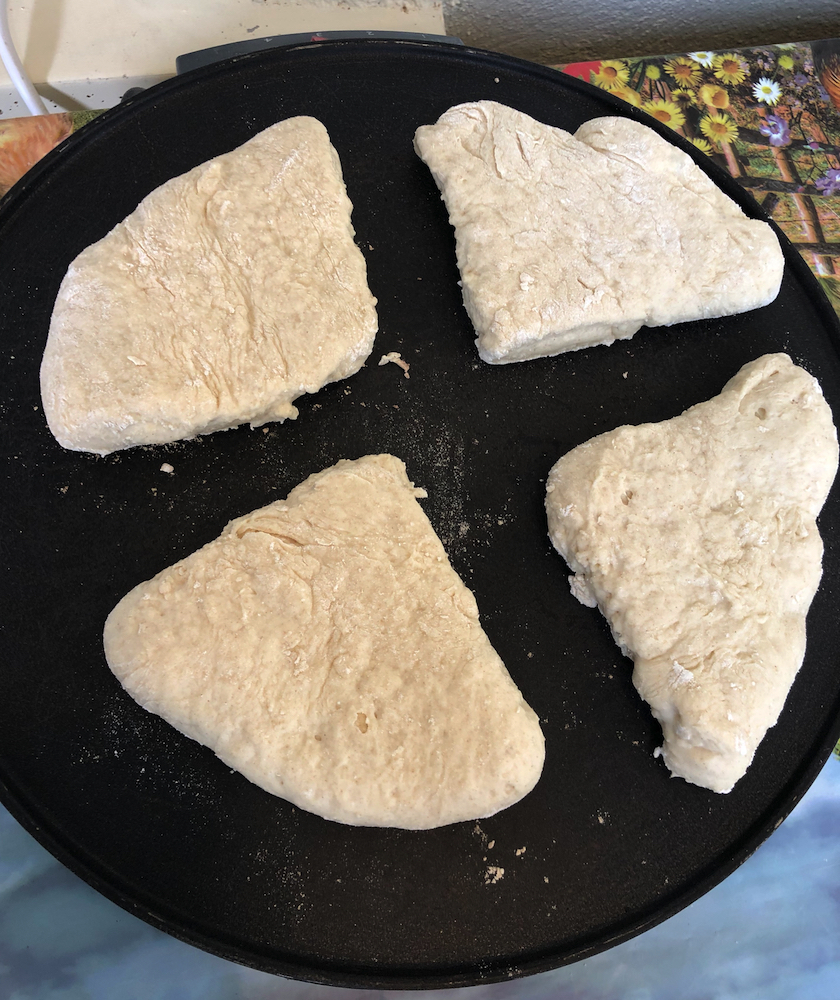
x,y
565,241
229,292
697,539
324,647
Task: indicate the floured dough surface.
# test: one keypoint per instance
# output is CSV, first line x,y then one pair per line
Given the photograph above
x,y
324,647
697,539
564,241
229,292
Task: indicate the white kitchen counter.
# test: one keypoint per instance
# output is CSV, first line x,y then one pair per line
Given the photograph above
x,y
85,54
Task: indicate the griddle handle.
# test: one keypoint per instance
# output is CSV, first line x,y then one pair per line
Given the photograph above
x,y
204,57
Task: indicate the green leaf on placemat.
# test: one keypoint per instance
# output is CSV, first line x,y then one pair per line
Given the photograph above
x,y
831,286
83,117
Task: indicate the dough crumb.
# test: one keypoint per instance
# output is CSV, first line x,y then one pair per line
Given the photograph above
x,y
493,874
395,357
166,467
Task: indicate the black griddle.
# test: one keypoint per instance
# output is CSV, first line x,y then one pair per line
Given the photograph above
x,y
607,845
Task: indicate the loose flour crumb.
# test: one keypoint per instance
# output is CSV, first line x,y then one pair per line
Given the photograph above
x,y
396,358
493,874
166,467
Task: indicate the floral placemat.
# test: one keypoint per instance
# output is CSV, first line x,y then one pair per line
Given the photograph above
x,y
770,116
23,141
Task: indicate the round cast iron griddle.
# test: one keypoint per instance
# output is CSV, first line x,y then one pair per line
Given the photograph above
x,y
607,844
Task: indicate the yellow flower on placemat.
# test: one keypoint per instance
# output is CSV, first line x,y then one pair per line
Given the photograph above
x,y
683,98
702,145
684,70
653,72
728,68
630,95
719,128
612,74
714,96
666,112
786,62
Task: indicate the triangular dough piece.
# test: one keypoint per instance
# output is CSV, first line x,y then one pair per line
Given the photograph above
x,y
697,539
565,241
324,647
229,292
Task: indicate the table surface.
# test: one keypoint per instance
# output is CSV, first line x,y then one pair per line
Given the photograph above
x,y
771,931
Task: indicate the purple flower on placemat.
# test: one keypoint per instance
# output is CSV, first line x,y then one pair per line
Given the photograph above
x,y
800,80
813,144
824,94
829,183
777,129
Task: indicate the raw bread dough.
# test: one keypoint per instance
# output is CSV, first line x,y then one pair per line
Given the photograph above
x,y
229,292
697,539
565,241
324,647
